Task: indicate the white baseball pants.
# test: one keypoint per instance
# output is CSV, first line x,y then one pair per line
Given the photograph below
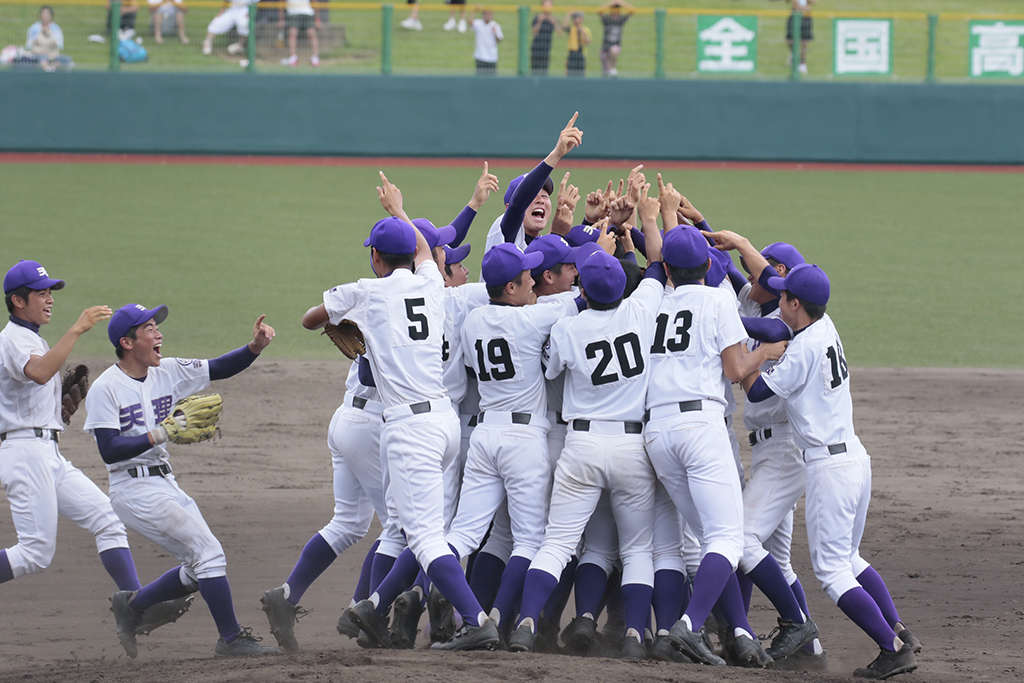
x,y
232,17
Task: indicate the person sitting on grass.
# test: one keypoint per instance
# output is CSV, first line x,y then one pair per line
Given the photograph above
x,y
45,40
156,10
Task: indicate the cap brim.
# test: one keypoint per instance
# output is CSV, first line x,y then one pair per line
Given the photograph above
x,y
585,251
571,258
367,242
48,283
445,235
549,185
458,254
777,283
532,260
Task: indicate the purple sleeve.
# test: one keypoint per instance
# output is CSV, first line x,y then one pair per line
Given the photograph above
x,y
655,271
639,241
461,224
766,329
759,391
704,227
630,256
524,195
762,280
737,278
231,363
117,448
581,304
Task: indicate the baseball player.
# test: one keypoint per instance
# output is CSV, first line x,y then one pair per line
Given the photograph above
x,y
605,352
401,314
126,406
528,197
234,15
39,482
813,379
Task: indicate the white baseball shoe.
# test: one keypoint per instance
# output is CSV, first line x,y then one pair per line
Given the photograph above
x,y
412,24
449,25
462,25
207,47
235,49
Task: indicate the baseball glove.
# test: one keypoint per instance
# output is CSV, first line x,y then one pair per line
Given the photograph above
x,y
74,387
347,336
193,419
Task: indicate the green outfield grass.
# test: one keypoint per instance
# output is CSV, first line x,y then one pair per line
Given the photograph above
x,y
925,267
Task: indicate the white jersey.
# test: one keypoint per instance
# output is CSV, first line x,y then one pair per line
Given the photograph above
x,y
23,403
495,237
355,388
556,386
748,307
772,411
606,355
503,346
814,380
402,320
134,407
695,324
458,302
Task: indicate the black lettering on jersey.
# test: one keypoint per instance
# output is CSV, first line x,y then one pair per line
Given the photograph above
x,y
680,340
499,356
446,349
420,330
840,370
627,353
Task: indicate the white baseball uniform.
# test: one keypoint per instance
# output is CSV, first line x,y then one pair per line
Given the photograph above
x,y
814,381
402,318
143,490
686,435
39,482
235,16
606,355
508,449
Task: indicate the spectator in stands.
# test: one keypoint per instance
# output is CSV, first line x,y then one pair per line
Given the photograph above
x,y
451,25
806,31
413,22
579,38
45,40
488,35
544,28
179,9
129,10
614,15
234,14
301,17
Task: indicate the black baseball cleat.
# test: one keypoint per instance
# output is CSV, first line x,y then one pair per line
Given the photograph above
x,y
578,636
162,613
633,649
346,625
889,663
522,639
693,644
747,652
482,637
791,637
802,660
282,616
441,615
405,620
372,624
910,639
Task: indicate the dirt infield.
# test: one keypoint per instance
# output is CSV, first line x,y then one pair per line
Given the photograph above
x,y
944,530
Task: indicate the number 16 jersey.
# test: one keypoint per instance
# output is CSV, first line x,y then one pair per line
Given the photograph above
x,y
402,320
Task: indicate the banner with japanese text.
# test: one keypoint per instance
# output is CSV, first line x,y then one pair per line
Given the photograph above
x,y
726,44
996,49
863,46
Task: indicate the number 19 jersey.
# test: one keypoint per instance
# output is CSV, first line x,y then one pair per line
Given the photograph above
x,y
814,380
402,320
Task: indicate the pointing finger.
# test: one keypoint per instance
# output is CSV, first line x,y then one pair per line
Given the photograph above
x,y
572,121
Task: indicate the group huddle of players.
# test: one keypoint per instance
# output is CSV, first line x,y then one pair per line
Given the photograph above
x,y
564,425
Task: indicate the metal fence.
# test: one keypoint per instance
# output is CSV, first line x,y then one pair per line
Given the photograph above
x,y
205,35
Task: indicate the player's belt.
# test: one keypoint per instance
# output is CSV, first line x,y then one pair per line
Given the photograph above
x,y
760,435
409,409
358,402
473,421
627,427
819,452
517,418
37,432
837,448
560,420
672,409
152,471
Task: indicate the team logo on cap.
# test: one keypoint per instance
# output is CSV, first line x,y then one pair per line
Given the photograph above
x,y
42,272
140,307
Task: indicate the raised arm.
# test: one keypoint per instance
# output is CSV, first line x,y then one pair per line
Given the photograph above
x,y
40,369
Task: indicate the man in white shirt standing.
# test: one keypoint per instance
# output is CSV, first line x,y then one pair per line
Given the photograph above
x,y
488,35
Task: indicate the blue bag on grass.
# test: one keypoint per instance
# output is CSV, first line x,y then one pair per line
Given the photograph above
x,y
130,52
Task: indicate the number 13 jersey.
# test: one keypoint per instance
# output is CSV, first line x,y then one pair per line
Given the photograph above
x,y
402,320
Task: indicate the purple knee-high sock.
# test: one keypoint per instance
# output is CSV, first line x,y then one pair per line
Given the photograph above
x,y
591,584
767,576
746,588
119,564
6,572
712,575
316,557
731,604
798,593
447,575
398,580
536,591
363,587
511,590
423,581
668,596
879,592
687,594
380,568
217,595
167,587
471,563
858,604
559,598
636,597
486,579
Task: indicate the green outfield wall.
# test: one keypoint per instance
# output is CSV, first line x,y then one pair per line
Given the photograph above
x,y
510,117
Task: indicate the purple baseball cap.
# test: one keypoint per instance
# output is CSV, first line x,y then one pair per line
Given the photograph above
x,y
602,277
392,236
684,247
29,274
719,267
549,185
807,281
585,250
786,254
579,235
505,262
457,254
554,249
127,317
434,235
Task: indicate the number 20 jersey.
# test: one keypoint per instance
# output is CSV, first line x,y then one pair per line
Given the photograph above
x,y
402,320
814,380
694,325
